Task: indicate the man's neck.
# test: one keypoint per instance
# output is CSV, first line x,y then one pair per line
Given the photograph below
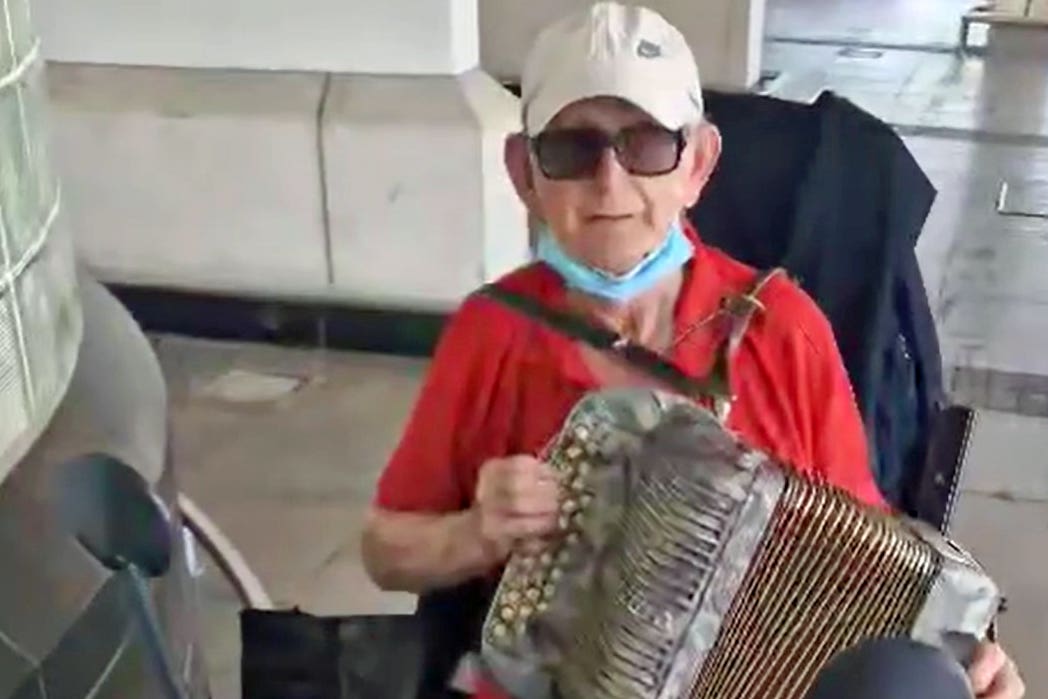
x,y
646,319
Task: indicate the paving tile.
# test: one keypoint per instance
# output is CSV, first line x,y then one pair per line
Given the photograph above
x,y
1008,457
1009,538
220,632
932,22
327,441
286,542
342,587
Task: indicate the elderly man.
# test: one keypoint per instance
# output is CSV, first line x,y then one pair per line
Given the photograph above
x,y
615,150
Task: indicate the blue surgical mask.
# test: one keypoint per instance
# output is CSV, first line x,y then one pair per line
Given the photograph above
x,y
675,250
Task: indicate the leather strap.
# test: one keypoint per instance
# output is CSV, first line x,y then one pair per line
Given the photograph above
x,y
715,387
740,310
578,328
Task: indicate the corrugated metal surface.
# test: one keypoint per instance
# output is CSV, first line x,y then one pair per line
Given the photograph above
x,y
40,321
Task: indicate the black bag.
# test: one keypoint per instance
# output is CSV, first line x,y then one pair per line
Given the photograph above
x,y
288,654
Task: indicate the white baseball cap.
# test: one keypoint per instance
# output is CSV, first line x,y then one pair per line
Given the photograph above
x,y
612,50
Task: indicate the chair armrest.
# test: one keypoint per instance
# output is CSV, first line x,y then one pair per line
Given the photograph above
x,y
936,490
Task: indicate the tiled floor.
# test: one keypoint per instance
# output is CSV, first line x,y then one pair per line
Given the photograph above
x,y
287,480
998,95
932,23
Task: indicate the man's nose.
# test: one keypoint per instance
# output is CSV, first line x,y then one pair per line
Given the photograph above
x,y
610,174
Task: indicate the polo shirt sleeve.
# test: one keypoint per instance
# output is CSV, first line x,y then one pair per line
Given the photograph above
x,y
428,470
837,439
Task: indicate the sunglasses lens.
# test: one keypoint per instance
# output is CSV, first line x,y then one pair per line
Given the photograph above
x,y
649,150
576,153
570,153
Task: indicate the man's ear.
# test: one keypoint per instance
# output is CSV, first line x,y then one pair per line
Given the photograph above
x,y
704,158
517,160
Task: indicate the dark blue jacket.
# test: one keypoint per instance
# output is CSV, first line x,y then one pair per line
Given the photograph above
x,y
832,194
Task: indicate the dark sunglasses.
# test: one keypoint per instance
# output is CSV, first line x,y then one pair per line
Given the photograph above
x,y
647,150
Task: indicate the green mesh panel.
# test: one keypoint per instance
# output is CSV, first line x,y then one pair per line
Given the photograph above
x,y
40,321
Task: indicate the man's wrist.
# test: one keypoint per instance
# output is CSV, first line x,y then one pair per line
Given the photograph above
x,y
488,554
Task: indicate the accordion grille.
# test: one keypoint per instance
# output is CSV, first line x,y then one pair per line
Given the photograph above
x,y
826,576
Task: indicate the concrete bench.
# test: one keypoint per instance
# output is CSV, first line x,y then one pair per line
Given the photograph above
x,y
1016,13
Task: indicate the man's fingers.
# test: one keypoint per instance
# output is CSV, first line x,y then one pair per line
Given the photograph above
x,y
988,662
507,527
532,546
528,527
526,496
1007,684
525,475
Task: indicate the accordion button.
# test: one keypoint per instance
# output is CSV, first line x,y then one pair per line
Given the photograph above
x,y
564,557
548,591
525,611
556,574
578,485
570,505
507,614
564,521
571,539
513,597
573,452
585,500
541,607
499,630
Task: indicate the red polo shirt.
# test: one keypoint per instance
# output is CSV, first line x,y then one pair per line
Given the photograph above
x,y
502,384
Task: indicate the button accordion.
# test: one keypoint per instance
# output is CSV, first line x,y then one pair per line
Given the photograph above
x,y
687,565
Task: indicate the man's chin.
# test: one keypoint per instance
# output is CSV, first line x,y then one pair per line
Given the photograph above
x,y
615,230
618,241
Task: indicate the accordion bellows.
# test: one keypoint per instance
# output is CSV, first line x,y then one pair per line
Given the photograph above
x,y
688,566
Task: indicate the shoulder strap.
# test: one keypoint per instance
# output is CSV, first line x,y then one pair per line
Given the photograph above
x,y
715,387
578,328
740,309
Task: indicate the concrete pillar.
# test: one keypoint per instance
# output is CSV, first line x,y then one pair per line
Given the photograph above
x,y
426,37
725,35
359,158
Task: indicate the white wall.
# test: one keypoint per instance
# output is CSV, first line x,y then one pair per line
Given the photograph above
x,y
224,181
726,35
388,36
361,37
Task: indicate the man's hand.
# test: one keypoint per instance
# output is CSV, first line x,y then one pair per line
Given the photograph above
x,y
994,676
516,501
